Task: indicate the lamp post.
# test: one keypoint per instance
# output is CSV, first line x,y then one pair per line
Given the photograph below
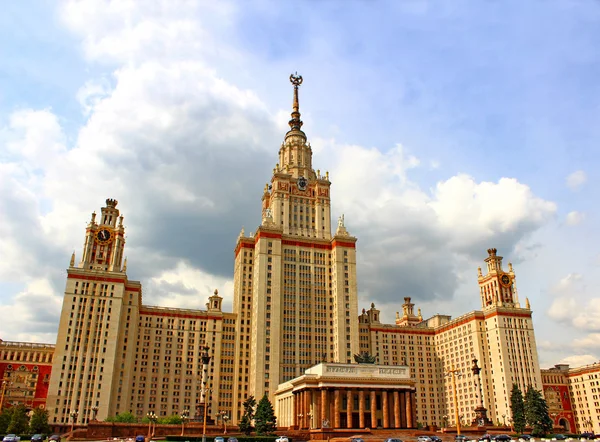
x,y
553,416
205,358
74,415
185,414
94,412
4,385
225,419
152,417
481,418
454,372
300,416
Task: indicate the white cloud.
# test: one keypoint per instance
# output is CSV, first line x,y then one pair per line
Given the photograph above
x,y
591,341
572,305
574,218
579,360
576,180
33,313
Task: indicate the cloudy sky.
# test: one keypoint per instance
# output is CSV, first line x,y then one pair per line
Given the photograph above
x,y
446,127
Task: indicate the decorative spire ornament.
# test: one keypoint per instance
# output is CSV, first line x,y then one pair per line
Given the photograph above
x,y
295,123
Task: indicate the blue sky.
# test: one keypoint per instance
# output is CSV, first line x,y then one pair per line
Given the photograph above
x,y
448,128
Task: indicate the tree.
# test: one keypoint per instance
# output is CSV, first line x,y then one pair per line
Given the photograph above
x,y
536,412
18,421
265,419
38,423
5,418
173,419
126,417
517,408
245,424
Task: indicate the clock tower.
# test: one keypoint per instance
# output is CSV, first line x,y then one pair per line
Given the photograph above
x,y
98,327
497,287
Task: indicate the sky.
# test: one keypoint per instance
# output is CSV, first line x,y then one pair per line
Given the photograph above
x,y
447,128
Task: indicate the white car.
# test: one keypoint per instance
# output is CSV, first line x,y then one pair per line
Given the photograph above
x,y
282,439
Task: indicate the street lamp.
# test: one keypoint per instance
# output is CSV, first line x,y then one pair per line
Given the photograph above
x,y
74,415
225,419
454,372
205,358
481,418
152,417
94,412
5,383
185,414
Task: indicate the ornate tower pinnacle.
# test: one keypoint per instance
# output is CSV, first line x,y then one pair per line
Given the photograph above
x,y
295,123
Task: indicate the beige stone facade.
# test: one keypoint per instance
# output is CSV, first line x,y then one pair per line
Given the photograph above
x,y
500,336
295,306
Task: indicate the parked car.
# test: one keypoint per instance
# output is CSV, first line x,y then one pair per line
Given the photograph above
x,y
423,439
234,439
559,437
140,438
486,438
11,438
524,436
393,439
219,439
502,438
461,438
587,435
435,438
354,439
38,438
279,439
54,438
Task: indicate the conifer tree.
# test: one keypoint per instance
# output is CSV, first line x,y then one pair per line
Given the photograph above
x,y
536,413
265,419
245,424
517,408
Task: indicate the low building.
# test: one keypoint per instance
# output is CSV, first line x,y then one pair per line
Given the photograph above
x,y
338,396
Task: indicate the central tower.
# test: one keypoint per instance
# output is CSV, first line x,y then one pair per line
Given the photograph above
x,y
295,289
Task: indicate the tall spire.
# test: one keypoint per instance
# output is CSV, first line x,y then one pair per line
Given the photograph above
x,y
295,123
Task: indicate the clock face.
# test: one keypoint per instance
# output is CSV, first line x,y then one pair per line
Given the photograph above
x,y
505,280
302,183
103,236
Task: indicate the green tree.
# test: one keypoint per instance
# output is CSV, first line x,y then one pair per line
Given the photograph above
x,y
536,413
174,419
18,421
265,419
517,408
245,424
38,423
5,418
127,418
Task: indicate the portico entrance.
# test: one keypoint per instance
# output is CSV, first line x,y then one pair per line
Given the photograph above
x,y
348,396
